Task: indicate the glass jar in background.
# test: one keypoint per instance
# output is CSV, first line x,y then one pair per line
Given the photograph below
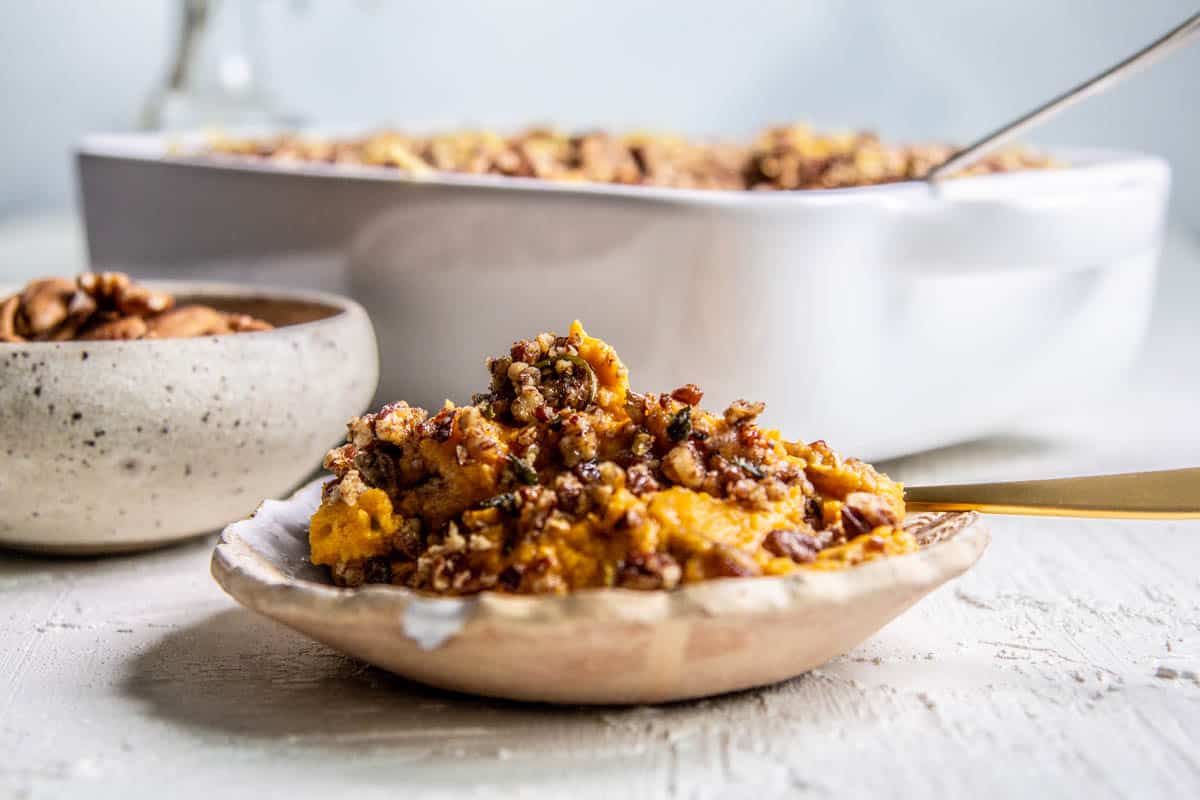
x,y
217,72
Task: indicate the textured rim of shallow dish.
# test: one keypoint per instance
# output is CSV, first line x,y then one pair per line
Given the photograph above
x,y
223,290
957,541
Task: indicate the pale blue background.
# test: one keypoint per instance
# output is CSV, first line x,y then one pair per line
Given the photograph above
x,y
948,68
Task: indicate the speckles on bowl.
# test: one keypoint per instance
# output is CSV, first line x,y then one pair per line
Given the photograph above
x,y
180,436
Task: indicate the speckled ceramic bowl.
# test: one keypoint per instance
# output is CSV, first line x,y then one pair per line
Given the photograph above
x,y
115,446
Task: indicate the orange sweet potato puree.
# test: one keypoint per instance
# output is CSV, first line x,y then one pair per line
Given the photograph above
x,y
560,478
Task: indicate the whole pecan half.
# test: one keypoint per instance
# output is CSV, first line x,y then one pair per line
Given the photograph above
x,y
8,319
44,305
188,321
115,328
116,291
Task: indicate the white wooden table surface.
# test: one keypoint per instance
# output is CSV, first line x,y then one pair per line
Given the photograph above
x,y
1064,665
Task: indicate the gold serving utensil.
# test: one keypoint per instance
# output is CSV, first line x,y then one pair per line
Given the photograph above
x,y
1162,494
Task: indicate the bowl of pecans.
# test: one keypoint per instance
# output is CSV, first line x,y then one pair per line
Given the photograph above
x,y
133,415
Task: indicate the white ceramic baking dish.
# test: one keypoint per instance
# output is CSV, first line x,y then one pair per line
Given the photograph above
x,y
886,319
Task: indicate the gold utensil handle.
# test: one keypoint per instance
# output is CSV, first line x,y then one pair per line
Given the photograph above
x,y
1165,494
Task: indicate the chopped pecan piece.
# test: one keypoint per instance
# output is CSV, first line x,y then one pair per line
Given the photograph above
x,y
639,479
741,412
854,523
688,393
873,509
683,465
799,547
649,571
729,562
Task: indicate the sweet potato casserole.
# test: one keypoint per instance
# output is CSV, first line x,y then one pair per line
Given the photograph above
x,y
780,158
560,477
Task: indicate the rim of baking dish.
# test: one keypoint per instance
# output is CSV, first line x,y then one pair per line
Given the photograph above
x,y
1086,170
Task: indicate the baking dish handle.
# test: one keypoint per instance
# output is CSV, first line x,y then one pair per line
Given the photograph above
x,y
964,230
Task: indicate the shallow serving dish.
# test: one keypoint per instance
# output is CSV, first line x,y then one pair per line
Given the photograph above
x,y
111,446
593,646
1004,292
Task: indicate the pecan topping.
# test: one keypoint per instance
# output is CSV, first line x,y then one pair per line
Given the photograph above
x,y
799,547
741,412
782,158
640,480
683,465
688,393
854,523
560,478
728,562
873,509
649,571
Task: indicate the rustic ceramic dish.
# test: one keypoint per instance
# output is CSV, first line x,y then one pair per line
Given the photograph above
x,y
115,446
594,646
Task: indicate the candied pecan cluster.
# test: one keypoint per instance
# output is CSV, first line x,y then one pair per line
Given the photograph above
x,y
560,477
789,158
780,158
108,305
